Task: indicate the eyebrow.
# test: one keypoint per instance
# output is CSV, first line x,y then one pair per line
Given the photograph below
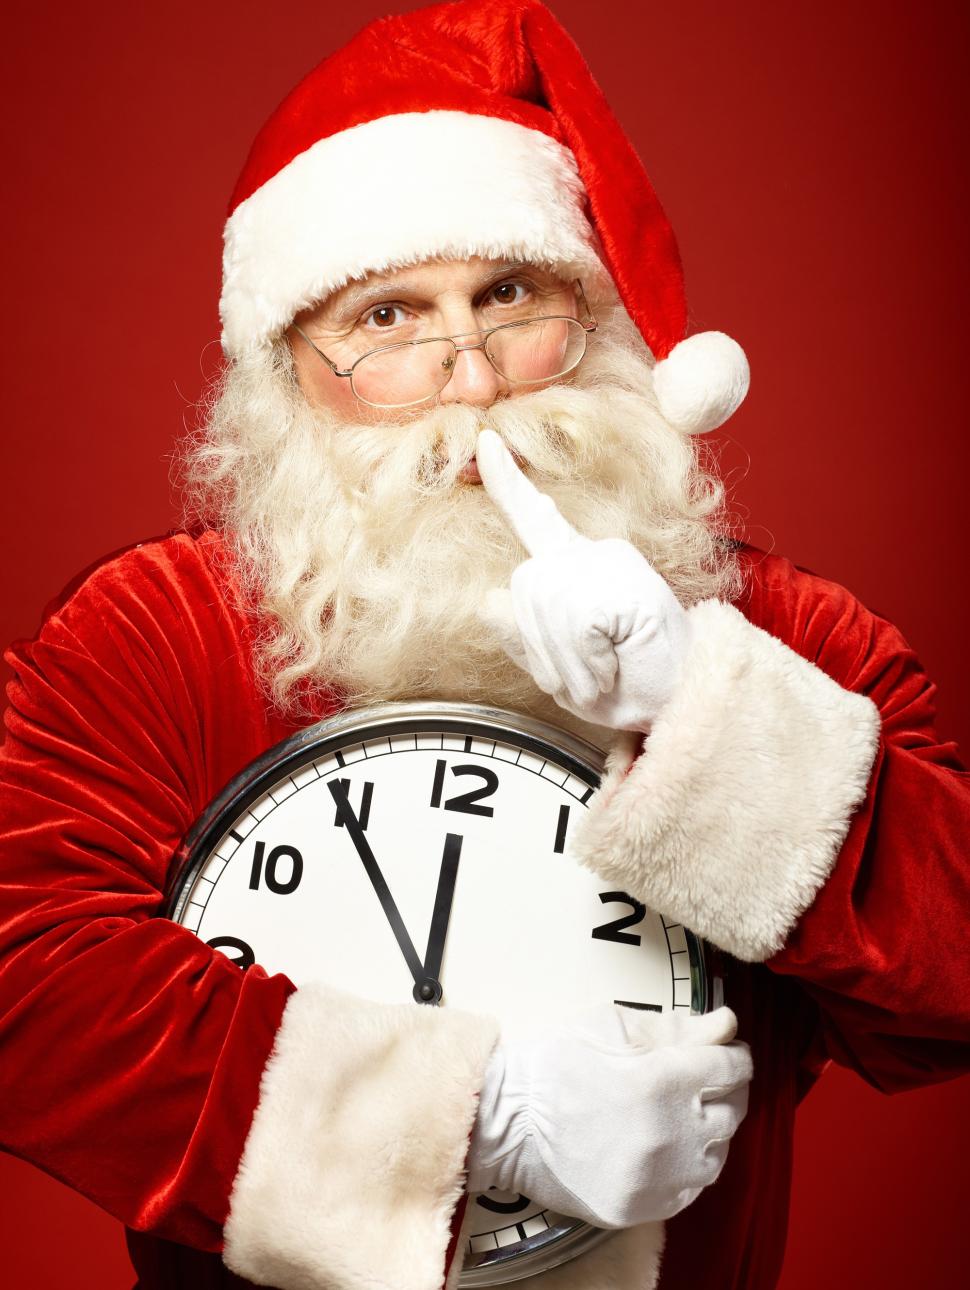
x,y
352,299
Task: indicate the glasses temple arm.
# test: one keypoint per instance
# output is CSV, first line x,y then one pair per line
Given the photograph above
x,y
329,361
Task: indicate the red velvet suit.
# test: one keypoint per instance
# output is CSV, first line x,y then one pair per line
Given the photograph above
x,y
132,1053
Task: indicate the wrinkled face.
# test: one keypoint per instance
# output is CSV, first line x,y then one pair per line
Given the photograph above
x,y
438,298
360,533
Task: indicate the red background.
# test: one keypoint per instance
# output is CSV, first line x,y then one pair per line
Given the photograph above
x,y
812,157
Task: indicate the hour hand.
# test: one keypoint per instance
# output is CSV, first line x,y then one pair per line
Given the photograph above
x,y
429,990
340,794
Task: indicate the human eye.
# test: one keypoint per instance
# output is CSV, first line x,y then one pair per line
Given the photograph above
x,y
386,317
513,292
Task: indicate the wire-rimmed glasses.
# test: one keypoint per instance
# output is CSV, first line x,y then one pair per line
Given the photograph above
x,y
528,351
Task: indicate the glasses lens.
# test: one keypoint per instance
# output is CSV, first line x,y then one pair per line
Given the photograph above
x,y
401,375
531,352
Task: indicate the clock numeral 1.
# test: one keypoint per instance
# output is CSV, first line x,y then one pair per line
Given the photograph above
x,y
363,815
614,931
281,888
468,802
561,827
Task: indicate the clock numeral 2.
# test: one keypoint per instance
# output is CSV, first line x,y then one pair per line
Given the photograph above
x,y
284,888
466,802
363,815
614,931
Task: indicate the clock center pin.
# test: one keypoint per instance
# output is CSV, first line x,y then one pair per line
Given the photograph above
x,y
427,991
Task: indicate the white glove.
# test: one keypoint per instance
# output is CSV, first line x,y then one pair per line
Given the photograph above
x,y
615,1128
593,623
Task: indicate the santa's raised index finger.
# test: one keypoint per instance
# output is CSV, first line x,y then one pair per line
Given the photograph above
x,y
532,516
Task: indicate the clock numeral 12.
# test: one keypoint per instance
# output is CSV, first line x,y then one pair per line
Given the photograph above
x,y
466,802
273,882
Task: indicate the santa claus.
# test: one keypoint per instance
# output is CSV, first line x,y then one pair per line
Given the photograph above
x,y
452,456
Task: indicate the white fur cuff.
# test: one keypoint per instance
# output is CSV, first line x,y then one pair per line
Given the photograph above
x,y
354,1163
731,819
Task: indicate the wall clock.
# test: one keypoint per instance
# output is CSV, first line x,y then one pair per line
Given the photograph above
x,y
421,851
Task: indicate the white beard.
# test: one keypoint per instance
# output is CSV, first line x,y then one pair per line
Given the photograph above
x,y
368,560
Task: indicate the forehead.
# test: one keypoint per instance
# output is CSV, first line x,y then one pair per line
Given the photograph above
x,y
428,279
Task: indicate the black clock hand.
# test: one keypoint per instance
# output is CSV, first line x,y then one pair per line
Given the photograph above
x,y
345,812
429,990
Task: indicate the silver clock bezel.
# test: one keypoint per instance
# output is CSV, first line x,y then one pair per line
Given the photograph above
x,y
565,1240
382,719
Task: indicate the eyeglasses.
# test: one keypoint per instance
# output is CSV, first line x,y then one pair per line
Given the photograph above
x,y
529,351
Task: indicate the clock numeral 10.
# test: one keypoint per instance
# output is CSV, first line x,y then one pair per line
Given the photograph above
x,y
284,887
466,802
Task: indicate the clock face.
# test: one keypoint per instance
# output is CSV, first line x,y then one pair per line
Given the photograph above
x,y
420,852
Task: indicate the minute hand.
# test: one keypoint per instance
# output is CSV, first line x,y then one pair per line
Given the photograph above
x,y
345,812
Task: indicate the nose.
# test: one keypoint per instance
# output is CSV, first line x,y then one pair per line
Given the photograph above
x,y
474,380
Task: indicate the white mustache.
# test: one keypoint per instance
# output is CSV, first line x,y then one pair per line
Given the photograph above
x,y
369,560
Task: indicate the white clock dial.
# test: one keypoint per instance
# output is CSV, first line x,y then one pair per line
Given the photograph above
x,y
418,852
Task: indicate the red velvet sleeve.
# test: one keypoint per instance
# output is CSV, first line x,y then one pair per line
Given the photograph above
x,y
794,806
223,1110
882,948
132,1052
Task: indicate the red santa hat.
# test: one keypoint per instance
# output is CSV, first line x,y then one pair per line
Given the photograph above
x,y
468,128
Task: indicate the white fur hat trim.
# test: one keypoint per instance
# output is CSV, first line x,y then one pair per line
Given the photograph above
x,y
701,382
392,192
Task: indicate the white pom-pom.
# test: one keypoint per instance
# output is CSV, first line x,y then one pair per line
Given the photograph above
x,y
701,381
